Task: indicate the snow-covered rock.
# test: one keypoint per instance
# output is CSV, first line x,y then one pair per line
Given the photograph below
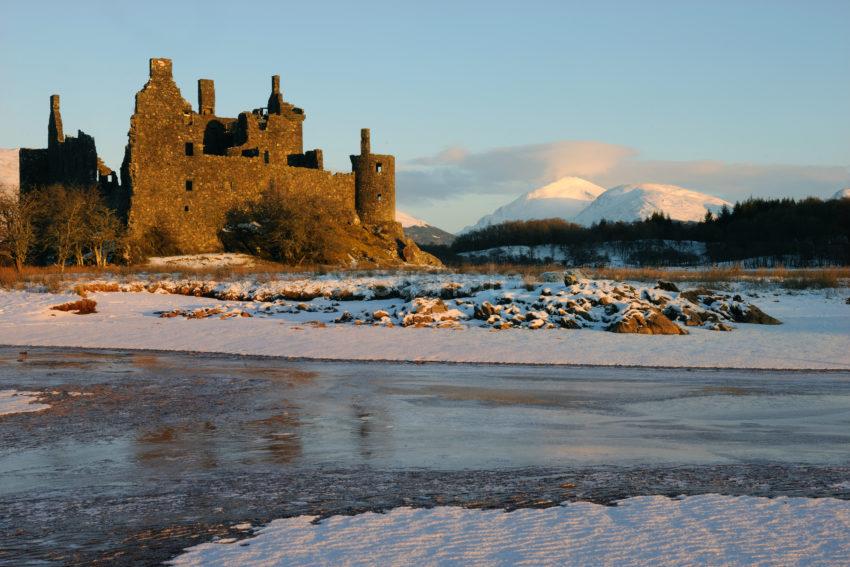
x,y
9,169
564,199
638,201
842,193
203,261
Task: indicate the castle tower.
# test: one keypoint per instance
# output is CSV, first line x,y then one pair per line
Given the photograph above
x,y
276,103
206,97
55,134
374,183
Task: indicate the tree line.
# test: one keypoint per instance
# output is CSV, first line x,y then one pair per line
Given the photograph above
x,y
61,226
809,229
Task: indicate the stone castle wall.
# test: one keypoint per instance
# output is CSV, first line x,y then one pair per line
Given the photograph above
x,y
70,161
184,170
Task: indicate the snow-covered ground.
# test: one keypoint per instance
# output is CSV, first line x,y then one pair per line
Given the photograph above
x,y
814,333
610,254
14,401
646,530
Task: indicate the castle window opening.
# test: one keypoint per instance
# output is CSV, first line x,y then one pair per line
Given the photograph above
x,y
378,167
190,149
379,197
185,208
188,185
266,156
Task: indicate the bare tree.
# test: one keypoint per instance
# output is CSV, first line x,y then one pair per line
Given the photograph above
x,y
17,234
67,226
103,232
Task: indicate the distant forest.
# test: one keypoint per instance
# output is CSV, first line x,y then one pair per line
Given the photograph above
x,y
809,231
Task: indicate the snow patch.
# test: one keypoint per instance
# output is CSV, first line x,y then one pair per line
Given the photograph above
x,y
407,220
564,199
647,530
629,203
14,401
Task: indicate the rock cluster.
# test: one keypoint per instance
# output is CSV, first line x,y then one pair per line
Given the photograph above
x,y
603,305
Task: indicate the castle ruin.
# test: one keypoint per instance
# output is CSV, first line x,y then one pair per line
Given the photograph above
x,y
183,169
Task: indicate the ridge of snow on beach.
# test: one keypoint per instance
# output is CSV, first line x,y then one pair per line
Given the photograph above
x,y
645,530
638,201
564,199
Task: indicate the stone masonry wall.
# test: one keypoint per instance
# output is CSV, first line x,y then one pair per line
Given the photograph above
x,y
185,170
67,160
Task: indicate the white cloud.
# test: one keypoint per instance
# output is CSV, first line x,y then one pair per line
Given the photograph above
x,y
513,170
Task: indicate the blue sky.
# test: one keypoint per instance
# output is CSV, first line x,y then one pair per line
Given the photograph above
x,y
758,90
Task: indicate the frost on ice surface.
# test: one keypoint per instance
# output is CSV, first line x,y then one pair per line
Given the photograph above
x,y
14,401
647,530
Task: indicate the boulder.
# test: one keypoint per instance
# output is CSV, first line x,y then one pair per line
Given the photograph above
x,y
485,311
428,306
571,277
749,313
666,286
655,323
412,254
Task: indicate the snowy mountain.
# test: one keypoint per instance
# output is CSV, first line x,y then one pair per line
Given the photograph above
x,y
564,198
421,232
407,220
634,202
842,193
9,168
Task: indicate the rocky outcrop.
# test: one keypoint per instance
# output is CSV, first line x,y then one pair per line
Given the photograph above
x,y
653,323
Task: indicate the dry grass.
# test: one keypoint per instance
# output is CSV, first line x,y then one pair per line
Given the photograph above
x,y
790,278
55,280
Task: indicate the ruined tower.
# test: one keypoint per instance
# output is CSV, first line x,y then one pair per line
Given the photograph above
x,y
185,170
374,183
67,160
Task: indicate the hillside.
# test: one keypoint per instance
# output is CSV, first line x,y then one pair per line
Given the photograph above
x,y
638,201
421,232
565,198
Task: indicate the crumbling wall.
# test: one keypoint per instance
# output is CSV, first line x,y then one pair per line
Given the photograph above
x,y
186,170
67,160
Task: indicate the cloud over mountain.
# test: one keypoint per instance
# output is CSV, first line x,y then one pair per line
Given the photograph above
x,y
513,170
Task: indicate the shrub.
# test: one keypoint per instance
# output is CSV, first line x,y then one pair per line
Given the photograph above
x,y
80,307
